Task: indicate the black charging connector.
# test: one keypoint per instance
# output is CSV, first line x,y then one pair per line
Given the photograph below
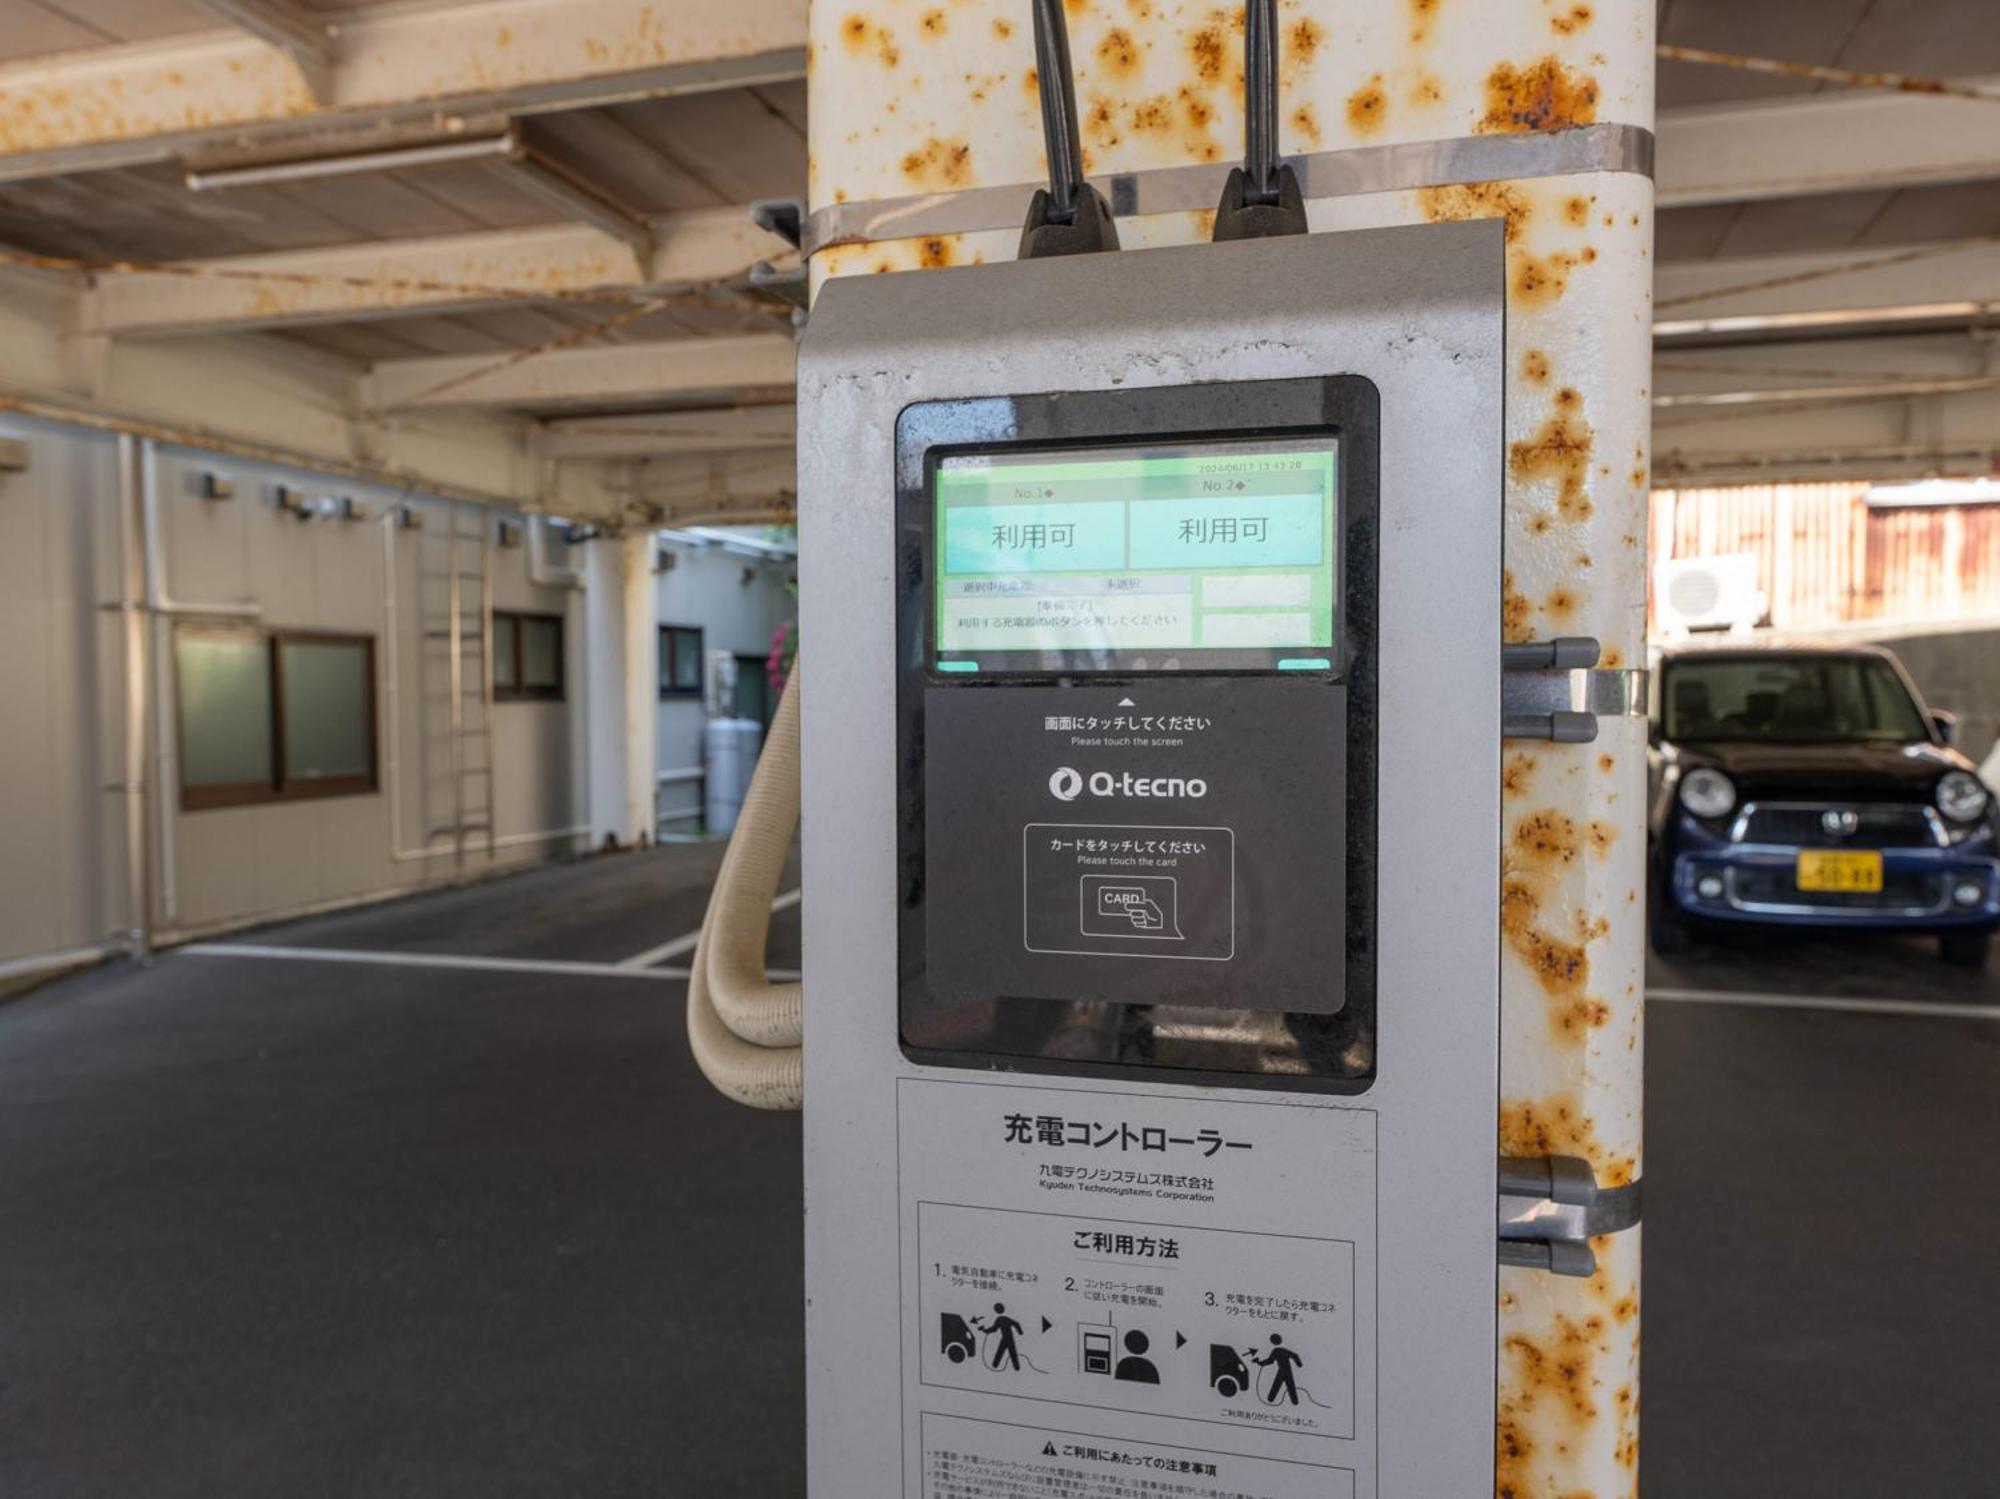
x,y
1069,216
1261,197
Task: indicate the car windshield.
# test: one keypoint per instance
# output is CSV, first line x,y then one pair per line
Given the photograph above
x,y
1789,700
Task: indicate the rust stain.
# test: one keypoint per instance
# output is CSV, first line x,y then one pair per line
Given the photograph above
x,y
1119,53
936,251
1478,200
1562,603
1558,1369
932,23
1538,522
1425,90
1545,838
1142,10
1368,107
859,34
1607,763
1559,452
1557,1125
1535,367
1575,19
1207,50
1031,83
1539,280
1199,143
1901,82
1602,835
1516,774
940,163
1513,1451
1303,40
1423,13
1515,610
1002,28
1154,116
1545,95
1100,120
1307,124
1577,209
1612,659
1562,967
1574,1021
1626,1453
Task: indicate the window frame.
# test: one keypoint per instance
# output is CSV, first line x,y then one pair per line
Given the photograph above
x,y
517,691
277,786
668,659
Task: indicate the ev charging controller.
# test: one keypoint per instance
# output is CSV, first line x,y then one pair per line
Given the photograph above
x,y
1152,860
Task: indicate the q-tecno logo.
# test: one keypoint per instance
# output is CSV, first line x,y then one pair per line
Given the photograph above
x,y
1066,785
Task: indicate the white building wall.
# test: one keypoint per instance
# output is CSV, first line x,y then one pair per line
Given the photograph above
x,y
738,602
64,871
61,863
268,859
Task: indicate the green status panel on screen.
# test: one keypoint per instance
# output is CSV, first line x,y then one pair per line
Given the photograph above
x,y
1143,558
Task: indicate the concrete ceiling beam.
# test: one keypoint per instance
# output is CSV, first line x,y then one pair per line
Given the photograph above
x,y
123,105
447,274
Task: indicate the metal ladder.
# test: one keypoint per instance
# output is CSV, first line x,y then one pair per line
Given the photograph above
x,y
455,676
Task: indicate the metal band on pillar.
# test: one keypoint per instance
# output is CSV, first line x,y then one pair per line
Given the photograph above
x,y
1611,148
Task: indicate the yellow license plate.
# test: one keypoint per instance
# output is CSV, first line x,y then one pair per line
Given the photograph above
x,y
1840,870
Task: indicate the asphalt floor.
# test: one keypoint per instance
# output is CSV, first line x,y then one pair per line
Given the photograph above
x,y
295,1226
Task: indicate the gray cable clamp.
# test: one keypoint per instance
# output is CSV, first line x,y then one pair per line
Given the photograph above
x,y
1554,690
1551,1207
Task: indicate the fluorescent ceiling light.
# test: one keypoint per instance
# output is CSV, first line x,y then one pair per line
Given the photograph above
x,y
1937,492
306,169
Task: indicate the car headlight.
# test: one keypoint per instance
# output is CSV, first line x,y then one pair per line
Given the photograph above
x,y
1960,796
1707,793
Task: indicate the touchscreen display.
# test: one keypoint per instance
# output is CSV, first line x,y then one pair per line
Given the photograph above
x,y
1215,556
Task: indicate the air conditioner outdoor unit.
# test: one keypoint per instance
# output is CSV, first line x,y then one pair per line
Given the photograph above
x,y
1707,593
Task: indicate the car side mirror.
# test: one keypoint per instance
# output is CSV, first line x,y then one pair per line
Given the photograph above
x,y
1947,724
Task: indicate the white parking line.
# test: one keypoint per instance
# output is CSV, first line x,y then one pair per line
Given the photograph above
x,y
679,945
1825,1002
633,968
470,961
427,960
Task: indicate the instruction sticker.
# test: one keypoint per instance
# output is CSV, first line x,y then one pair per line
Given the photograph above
x,y
1128,892
1142,1267
970,1459
1221,1325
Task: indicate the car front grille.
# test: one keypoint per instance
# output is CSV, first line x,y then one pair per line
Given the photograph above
x,y
1800,825
1778,888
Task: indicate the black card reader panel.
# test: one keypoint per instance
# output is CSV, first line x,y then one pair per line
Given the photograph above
x,y
1136,721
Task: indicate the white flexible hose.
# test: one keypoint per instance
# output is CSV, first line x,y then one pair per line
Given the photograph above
x,y
746,1031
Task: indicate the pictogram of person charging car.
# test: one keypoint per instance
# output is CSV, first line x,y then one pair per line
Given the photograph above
x,y
992,1339
1277,1382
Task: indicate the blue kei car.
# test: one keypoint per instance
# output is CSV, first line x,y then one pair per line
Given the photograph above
x,y
1812,787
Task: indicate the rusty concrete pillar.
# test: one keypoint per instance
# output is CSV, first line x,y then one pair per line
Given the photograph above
x,y
925,142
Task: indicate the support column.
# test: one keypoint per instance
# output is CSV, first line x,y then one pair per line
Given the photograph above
x,y
641,694
621,687
900,109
